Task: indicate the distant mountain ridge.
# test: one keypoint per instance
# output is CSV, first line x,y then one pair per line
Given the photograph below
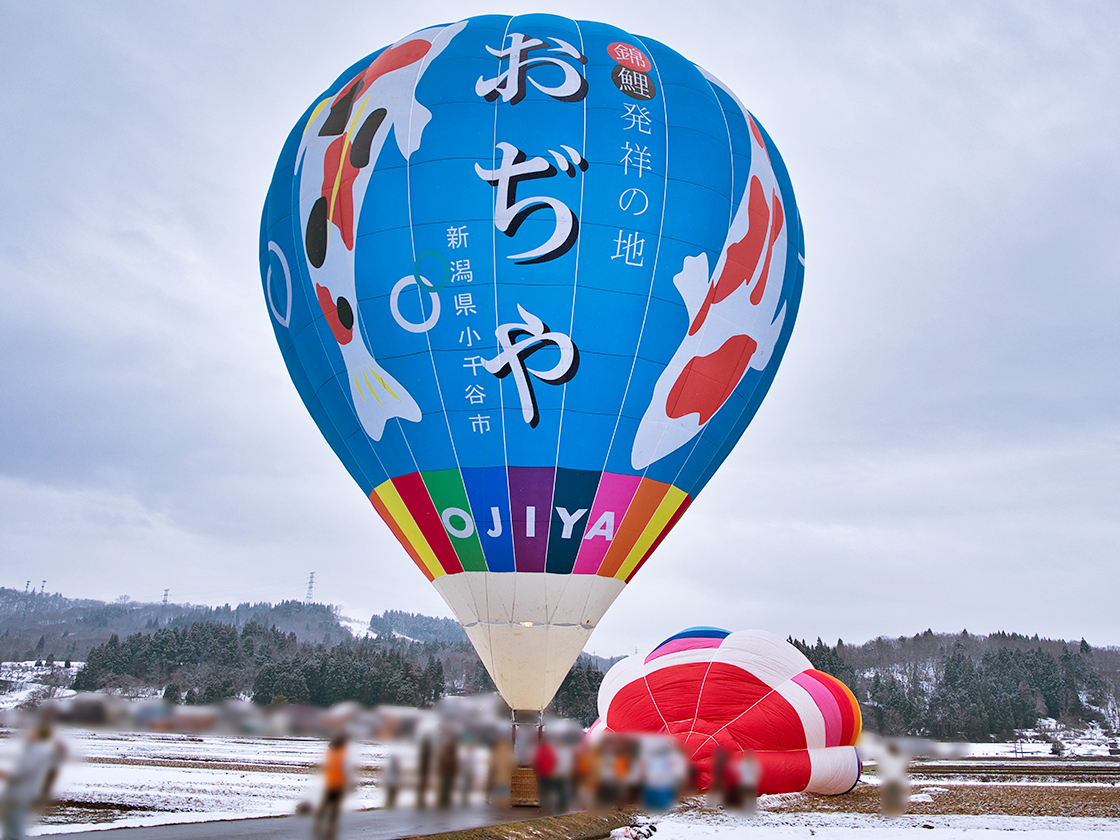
x,y
37,625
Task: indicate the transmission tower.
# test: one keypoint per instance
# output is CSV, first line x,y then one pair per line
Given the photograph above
x,y
165,598
310,588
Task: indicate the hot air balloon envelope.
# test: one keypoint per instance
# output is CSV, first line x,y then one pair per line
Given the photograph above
x,y
748,690
532,278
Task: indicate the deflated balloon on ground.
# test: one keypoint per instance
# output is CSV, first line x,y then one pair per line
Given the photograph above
x,y
736,693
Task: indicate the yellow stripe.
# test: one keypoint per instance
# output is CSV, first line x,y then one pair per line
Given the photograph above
x,y
315,113
357,116
366,378
673,500
383,385
342,157
358,385
393,502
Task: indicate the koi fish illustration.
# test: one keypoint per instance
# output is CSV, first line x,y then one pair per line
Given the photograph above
x,y
734,317
341,144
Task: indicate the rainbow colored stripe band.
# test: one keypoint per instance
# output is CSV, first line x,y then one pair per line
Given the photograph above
x,y
528,519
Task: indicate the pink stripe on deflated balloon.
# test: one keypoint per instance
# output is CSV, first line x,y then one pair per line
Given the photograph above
x,y
614,495
684,644
833,724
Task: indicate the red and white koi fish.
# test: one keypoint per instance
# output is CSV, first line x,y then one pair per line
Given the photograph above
x,y
341,144
734,317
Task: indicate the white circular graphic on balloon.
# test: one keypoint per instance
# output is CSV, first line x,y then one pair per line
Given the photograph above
x,y
461,531
394,306
273,248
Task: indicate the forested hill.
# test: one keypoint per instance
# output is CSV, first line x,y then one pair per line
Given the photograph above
x,y
420,628
945,686
969,687
41,626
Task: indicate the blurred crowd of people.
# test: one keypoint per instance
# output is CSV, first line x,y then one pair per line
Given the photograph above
x,y
608,771
459,753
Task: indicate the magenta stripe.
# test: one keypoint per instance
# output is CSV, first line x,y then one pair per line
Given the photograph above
x,y
833,723
615,494
684,644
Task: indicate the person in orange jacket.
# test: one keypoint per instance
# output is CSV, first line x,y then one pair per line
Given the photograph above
x,y
337,780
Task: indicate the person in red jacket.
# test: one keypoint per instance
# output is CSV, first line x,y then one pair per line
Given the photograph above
x,y
544,765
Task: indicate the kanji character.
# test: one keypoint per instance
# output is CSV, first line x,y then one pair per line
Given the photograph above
x,y
629,248
637,117
457,237
636,157
464,304
461,271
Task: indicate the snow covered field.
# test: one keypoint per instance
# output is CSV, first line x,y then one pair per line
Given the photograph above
x,y
141,778
764,826
127,778
25,683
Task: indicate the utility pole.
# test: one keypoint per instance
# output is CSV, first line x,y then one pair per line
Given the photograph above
x,y
310,588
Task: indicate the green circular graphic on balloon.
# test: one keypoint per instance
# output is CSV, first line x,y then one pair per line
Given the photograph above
x,y
423,281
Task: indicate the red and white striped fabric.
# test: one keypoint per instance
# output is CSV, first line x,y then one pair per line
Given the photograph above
x,y
742,691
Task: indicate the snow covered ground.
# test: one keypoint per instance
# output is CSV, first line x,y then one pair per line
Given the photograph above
x,y
722,826
145,778
25,683
117,779
127,779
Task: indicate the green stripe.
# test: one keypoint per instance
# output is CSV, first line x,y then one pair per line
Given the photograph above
x,y
447,491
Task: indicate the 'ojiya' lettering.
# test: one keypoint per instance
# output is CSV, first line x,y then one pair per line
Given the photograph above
x,y
603,527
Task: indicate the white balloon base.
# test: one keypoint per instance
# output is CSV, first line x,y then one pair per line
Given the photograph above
x,y
528,627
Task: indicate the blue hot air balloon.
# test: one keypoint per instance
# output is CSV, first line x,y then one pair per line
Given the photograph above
x,y
532,278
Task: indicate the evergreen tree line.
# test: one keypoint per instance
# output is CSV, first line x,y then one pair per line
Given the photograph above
x,y
207,662
423,628
973,688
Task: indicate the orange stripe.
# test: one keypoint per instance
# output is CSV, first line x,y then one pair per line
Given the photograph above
x,y
664,533
379,506
641,511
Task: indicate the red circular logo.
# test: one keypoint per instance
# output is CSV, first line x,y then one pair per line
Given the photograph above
x,y
629,55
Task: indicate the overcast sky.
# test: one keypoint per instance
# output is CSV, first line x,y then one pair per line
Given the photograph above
x,y
941,445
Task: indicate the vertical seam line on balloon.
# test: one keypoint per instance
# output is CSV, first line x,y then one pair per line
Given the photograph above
x,y
699,694
424,63
501,395
549,611
653,280
798,248
450,433
703,427
657,254
297,217
419,291
730,153
656,708
645,313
